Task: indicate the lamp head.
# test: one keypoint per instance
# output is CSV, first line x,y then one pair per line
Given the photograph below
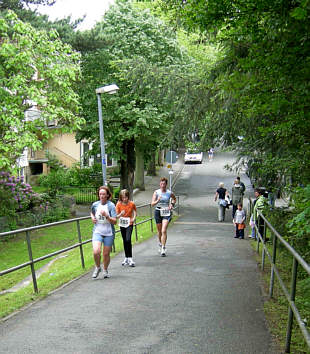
x,y
110,89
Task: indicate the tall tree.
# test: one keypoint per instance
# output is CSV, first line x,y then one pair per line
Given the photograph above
x,y
36,71
127,35
260,87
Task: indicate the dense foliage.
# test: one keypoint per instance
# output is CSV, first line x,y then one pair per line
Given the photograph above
x,y
260,87
36,71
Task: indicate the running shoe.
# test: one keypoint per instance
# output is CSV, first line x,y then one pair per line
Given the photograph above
x,y
159,247
106,274
125,261
96,272
131,263
163,251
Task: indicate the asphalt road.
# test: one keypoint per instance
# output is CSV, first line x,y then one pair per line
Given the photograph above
x,y
204,297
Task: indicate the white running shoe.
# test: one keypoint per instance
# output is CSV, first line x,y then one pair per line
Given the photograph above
x,y
125,261
106,274
159,247
131,263
96,272
163,251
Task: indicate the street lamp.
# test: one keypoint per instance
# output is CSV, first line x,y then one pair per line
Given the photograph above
x,y
110,89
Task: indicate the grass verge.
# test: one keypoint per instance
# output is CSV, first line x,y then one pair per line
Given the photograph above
x,y
64,269
276,308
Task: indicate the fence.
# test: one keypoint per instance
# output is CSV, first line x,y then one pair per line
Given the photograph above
x,y
79,244
261,230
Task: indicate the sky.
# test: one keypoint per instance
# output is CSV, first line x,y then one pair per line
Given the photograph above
x,y
94,10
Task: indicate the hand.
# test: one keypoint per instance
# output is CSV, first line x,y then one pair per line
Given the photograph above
x,y
158,199
122,213
94,220
104,213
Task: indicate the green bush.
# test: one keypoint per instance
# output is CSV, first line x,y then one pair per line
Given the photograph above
x,y
55,182
299,225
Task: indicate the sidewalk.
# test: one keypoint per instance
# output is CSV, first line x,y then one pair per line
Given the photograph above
x,y
204,297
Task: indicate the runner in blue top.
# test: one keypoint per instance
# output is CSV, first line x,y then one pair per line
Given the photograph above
x,y
164,200
103,215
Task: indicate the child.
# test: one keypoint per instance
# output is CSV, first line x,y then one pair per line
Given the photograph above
x,y
126,212
239,221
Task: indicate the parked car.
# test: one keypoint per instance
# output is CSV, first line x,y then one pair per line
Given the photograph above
x,y
193,156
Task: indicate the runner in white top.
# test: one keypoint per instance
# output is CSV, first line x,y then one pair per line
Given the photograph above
x,y
164,200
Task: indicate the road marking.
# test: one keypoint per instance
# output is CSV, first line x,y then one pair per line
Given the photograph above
x,y
201,223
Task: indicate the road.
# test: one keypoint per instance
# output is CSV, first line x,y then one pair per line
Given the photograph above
x,y
204,297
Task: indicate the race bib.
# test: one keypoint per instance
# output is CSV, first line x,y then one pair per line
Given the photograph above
x,y
124,222
100,218
164,212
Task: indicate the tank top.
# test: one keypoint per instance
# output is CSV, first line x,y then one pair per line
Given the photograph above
x,y
164,200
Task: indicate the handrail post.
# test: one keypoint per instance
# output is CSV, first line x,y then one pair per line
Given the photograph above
x,y
151,216
33,272
264,241
80,241
290,312
274,257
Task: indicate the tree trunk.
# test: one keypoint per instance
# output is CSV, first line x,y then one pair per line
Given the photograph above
x,y
128,166
139,174
161,157
151,168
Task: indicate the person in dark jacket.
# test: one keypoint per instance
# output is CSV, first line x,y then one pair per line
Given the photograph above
x,y
236,196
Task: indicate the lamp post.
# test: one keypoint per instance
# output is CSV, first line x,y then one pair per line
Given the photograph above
x,y
110,89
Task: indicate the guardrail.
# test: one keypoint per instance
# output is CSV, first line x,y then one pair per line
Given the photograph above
x,y
79,244
261,228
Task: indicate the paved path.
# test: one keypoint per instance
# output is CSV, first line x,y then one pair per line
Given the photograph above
x,y
204,297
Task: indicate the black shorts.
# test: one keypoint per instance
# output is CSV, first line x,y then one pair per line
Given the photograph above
x,y
159,218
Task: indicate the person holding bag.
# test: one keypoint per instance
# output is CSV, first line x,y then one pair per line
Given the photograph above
x,y
221,194
126,213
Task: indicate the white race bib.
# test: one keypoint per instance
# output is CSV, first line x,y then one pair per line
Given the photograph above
x,y
124,222
164,212
100,218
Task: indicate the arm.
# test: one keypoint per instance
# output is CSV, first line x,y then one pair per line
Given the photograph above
x,y
133,216
216,196
111,218
93,219
173,200
155,199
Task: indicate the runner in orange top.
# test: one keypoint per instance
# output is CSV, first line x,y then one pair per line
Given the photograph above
x,y
126,213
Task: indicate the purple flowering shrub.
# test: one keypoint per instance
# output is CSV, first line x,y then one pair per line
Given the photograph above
x,y
15,194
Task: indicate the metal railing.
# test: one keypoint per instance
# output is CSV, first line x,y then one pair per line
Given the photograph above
x,y
261,229
79,244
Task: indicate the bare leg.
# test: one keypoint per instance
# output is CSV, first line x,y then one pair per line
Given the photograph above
x,y
106,256
159,228
96,252
165,224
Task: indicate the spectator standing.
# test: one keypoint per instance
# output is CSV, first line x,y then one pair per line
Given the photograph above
x,y
236,196
239,221
242,185
260,204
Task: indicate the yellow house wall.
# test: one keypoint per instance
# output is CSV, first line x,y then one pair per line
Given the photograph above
x,y
65,148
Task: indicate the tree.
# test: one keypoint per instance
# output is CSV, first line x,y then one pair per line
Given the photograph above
x,y
37,71
259,89
131,119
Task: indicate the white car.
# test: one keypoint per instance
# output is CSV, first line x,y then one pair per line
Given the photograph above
x,y
193,156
